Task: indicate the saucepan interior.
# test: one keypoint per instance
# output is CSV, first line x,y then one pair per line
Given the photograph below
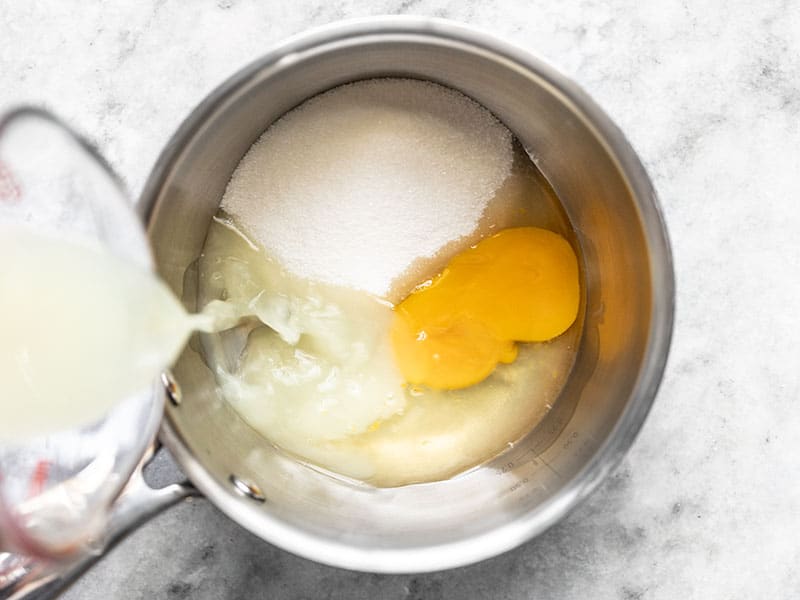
x,y
627,313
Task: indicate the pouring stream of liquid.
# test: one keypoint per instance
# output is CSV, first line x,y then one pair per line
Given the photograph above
x,y
82,329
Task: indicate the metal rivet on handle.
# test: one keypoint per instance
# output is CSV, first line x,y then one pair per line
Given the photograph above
x,y
171,386
246,488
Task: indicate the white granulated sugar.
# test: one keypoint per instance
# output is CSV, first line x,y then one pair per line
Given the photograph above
x,y
355,184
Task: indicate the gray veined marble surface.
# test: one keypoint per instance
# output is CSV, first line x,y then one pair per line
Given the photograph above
x,y
707,503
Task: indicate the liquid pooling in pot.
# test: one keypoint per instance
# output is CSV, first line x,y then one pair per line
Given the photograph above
x,y
380,207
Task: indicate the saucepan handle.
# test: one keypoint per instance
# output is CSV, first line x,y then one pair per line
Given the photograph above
x,y
30,579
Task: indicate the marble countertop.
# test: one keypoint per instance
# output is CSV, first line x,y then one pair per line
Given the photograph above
x,y
707,502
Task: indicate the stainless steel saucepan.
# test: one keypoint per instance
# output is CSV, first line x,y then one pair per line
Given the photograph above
x,y
628,317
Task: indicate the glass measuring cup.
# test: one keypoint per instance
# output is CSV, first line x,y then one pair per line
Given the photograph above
x,y
57,491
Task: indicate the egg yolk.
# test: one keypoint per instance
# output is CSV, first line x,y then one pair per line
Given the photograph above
x,y
520,285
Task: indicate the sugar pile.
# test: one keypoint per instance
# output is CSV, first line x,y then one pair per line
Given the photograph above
x,y
355,184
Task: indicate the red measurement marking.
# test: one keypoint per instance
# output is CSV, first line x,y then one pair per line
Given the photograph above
x,y
9,188
39,478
